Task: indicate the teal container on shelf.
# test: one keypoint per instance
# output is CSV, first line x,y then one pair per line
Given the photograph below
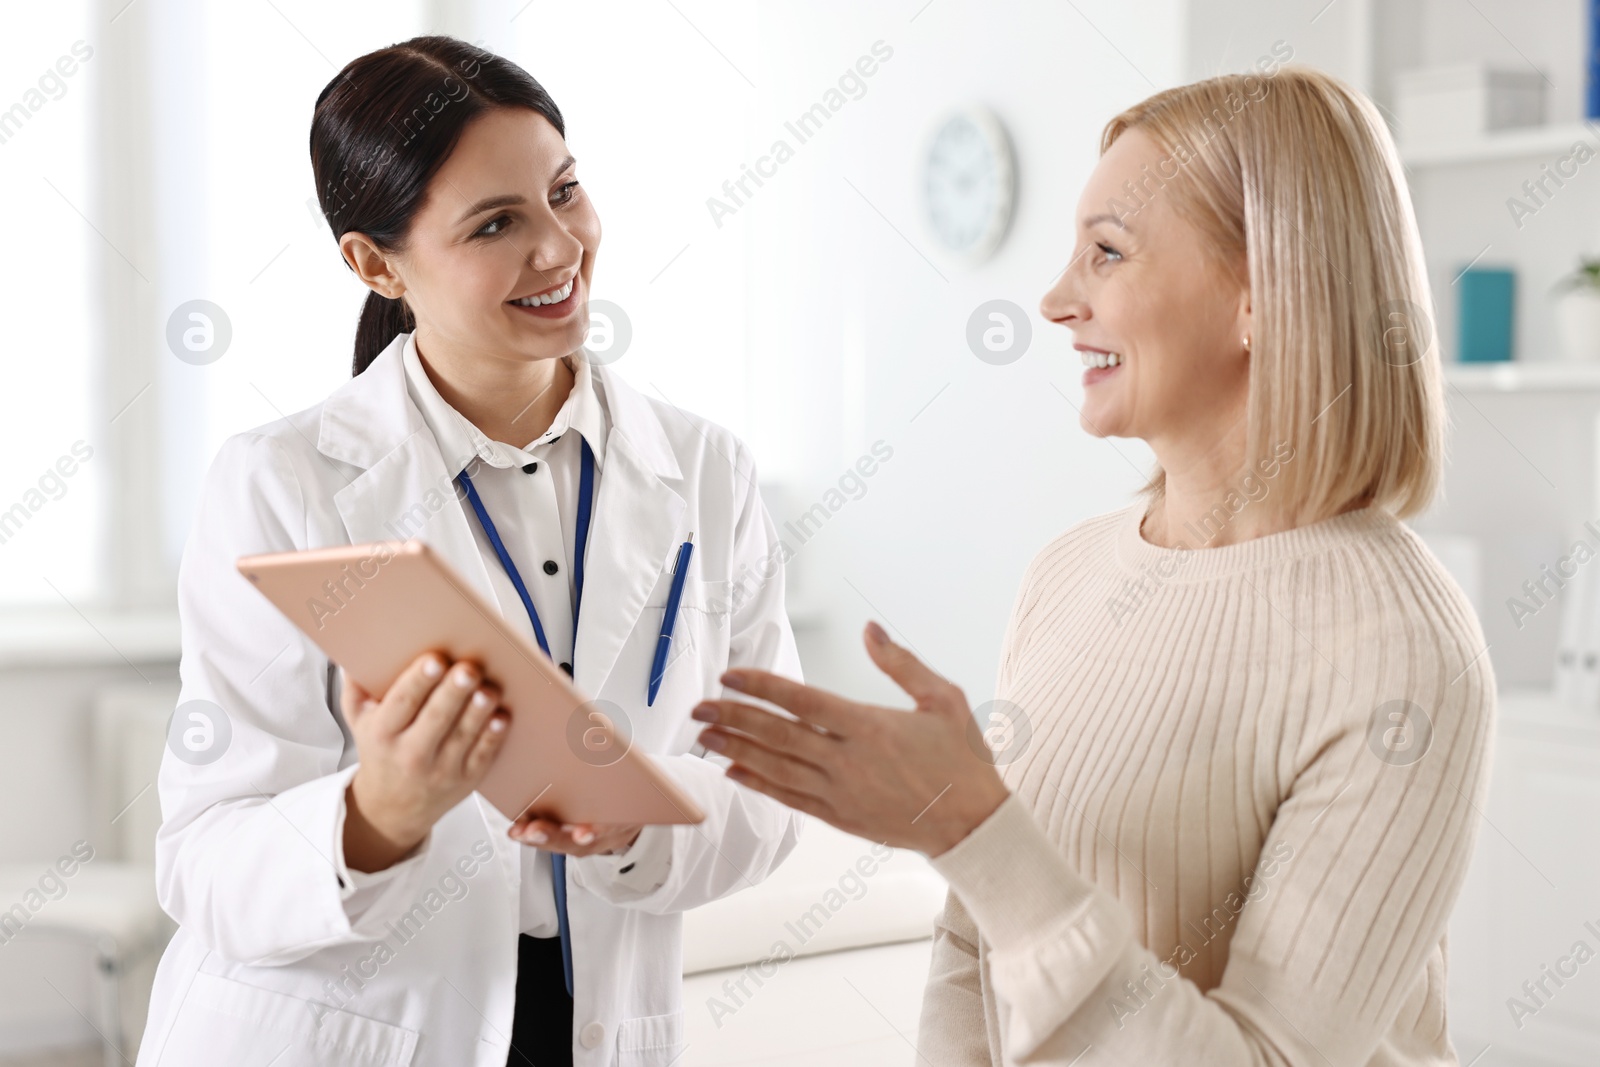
x,y
1487,296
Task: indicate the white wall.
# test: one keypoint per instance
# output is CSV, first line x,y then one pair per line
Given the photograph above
x,y
855,338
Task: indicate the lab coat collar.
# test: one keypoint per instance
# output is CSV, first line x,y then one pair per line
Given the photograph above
x,y
459,440
372,414
406,491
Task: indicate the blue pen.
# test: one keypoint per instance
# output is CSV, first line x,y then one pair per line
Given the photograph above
x,y
680,571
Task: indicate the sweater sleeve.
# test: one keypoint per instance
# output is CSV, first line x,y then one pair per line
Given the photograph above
x,y
953,1026
952,1031
1349,898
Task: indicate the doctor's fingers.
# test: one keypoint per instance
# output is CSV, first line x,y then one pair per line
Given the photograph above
x,y
800,739
405,695
580,839
354,701
486,745
443,708
474,720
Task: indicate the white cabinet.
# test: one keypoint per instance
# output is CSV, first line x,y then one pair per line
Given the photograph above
x,y
1530,910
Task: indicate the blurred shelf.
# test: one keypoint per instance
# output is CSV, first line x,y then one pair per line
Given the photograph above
x,y
1513,377
60,637
1507,144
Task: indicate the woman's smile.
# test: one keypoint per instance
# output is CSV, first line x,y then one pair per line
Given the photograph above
x,y
555,303
1100,363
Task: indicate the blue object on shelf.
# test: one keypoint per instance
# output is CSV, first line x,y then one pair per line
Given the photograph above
x,y
1487,296
1592,95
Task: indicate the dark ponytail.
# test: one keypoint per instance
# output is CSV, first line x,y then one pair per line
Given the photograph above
x,y
380,131
382,320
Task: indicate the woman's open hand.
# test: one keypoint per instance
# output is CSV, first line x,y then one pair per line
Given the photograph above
x,y
424,747
907,779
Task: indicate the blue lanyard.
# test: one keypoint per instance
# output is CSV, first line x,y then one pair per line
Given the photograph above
x,y
585,514
558,862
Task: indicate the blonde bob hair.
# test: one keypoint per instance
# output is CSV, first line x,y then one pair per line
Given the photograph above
x,y
1295,183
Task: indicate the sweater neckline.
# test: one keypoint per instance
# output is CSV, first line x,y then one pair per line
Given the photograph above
x,y
1183,563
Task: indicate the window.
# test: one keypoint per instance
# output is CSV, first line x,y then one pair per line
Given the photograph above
x,y
241,225
51,440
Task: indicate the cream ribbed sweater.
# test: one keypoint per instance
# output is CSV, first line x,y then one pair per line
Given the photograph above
x,y
1224,845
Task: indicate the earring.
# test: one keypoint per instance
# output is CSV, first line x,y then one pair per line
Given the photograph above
x,y
1247,344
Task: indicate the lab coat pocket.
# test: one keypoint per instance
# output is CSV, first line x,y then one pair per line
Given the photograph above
x,y
706,596
650,1040
700,635
223,1020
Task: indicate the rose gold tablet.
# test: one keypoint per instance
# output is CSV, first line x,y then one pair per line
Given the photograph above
x,y
374,608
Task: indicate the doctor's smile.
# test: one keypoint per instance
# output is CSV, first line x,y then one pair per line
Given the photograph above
x,y
574,686
556,302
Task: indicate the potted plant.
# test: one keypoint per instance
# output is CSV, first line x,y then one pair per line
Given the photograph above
x,y
1578,312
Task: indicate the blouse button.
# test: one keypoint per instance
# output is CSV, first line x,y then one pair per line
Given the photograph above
x,y
550,566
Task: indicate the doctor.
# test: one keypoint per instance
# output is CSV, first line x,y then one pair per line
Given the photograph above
x,y
343,895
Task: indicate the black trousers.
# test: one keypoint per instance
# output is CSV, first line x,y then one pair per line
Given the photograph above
x,y
541,1030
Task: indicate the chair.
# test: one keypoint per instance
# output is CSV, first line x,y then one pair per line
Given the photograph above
x,y
110,902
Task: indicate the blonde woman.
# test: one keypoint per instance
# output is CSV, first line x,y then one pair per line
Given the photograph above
x,y
1246,720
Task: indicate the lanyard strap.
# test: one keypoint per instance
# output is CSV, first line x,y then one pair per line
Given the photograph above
x,y
558,862
585,514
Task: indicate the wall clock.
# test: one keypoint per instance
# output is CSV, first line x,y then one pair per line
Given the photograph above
x,y
969,183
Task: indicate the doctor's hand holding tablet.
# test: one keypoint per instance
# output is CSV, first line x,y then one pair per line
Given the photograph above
x,y
481,709
424,747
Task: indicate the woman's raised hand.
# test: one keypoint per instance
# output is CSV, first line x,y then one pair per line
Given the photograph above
x,y
909,779
424,747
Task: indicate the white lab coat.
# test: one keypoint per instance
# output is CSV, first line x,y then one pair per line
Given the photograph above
x,y
280,956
